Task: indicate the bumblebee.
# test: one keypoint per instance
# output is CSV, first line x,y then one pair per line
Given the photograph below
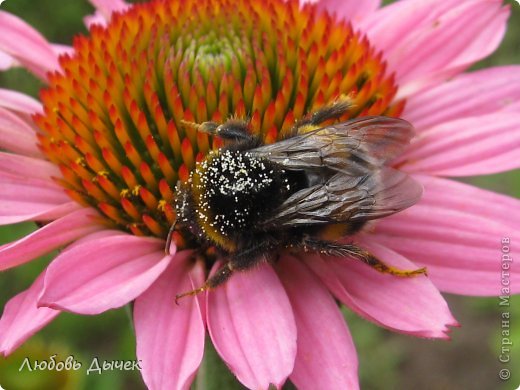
x,y
320,184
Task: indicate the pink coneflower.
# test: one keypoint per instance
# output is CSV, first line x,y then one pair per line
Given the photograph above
x,y
96,162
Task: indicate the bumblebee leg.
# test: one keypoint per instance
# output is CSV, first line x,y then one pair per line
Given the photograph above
x,y
334,110
218,278
241,261
350,250
232,130
204,127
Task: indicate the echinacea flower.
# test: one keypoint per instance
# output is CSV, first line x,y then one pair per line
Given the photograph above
x,y
96,161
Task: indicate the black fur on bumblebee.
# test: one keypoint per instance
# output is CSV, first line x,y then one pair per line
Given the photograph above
x,y
317,186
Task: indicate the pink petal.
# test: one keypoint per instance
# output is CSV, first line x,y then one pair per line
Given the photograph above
x,y
60,49
49,237
27,188
20,102
26,45
466,147
451,230
103,274
408,305
96,18
349,10
251,323
457,237
16,135
22,198
16,164
6,61
21,318
470,94
14,212
170,337
388,25
470,200
428,41
107,7
503,281
9,120
326,357
101,235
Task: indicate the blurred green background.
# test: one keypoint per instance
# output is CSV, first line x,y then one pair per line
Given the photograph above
x,y
387,360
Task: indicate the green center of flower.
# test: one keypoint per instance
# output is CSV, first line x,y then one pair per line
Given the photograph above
x,y
113,118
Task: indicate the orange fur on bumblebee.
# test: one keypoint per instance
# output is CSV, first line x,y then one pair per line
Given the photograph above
x,y
320,184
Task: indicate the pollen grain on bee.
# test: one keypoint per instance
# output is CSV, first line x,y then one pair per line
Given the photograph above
x,y
230,174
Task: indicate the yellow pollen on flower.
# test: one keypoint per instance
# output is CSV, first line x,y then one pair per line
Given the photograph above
x,y
80,161
161,205
114,116
135,190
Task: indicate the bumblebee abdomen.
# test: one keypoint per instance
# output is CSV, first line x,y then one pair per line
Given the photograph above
x,y
233,191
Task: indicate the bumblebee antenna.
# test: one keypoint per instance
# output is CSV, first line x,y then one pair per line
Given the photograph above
x,y
169,238
204,127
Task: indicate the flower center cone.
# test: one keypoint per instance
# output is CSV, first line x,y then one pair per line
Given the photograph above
x,y
114,118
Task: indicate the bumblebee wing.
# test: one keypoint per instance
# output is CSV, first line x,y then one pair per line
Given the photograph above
x,y
345,198
347,146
